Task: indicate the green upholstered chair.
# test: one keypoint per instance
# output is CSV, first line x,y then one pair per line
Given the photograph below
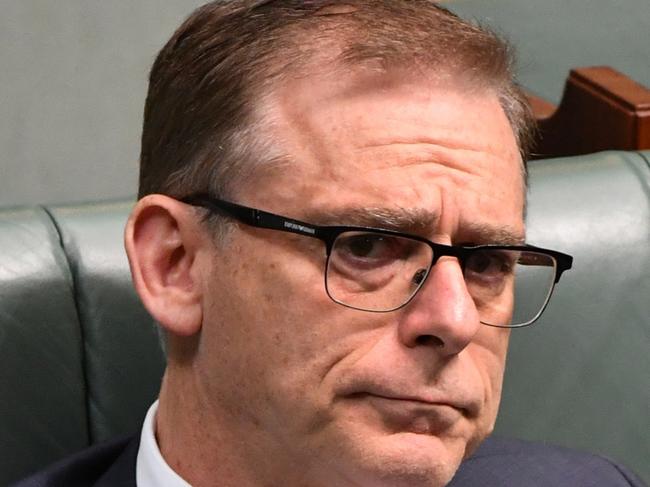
x,y
79,356
80,359
580,377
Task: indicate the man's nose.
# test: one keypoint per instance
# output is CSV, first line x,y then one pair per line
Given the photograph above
x,y
443,313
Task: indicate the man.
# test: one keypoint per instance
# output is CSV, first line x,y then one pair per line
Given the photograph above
x,y
330,233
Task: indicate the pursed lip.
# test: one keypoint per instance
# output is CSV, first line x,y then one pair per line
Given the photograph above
x,y
407,399
407,413
465,406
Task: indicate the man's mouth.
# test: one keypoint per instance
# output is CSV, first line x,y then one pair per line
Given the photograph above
x,y
405,413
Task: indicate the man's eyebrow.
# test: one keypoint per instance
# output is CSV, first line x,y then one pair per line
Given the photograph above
x,y
480,234
417,221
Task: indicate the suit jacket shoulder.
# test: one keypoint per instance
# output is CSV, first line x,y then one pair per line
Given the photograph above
x,y
497,463
500,462
109,464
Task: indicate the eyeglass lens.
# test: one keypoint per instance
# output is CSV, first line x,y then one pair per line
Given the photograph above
x,y
380,272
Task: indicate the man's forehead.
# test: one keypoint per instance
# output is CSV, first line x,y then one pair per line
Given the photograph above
x,y
387,126
364,137
336,99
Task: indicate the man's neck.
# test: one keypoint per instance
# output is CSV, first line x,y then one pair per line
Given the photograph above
x,y
203,443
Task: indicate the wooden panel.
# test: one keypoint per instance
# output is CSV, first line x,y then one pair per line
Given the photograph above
x,y
601,109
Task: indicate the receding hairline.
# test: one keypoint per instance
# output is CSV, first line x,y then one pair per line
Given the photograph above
x,y
328,56
358,33
361,79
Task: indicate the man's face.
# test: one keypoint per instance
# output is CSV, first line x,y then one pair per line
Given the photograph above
x,y
336,396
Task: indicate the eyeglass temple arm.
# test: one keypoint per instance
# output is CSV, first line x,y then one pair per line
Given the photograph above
x,y
564,263
254,217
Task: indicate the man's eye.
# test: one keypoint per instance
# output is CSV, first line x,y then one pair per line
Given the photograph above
x,y
490,264
366,246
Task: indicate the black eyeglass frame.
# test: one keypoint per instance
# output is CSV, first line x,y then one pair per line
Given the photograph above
x,y
328,234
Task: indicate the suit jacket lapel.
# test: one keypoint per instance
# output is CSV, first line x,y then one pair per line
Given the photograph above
x,y
122,472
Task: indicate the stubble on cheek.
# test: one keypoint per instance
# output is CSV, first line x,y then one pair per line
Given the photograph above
x,y
489,357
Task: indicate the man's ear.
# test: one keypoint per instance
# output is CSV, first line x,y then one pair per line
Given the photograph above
x,y
163,240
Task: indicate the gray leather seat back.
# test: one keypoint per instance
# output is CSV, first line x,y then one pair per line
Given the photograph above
x,y
43,413
581,376
80,360
123,361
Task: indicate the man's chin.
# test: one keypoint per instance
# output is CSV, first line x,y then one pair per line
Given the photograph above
x,y
404,458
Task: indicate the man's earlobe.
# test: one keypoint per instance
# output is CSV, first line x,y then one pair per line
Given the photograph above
x,y
163,242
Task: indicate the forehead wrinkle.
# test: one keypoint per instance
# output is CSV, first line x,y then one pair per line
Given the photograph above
x,y
460,162
426,142
423,152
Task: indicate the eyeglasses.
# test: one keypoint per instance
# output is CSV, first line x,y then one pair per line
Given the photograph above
x,y
379,270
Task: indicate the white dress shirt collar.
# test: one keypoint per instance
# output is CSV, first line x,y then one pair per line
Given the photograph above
x,y
151,468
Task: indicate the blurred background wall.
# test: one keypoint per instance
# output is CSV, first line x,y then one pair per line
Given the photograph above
x,y
73,78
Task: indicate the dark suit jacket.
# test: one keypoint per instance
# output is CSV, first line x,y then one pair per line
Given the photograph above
x,y
497,463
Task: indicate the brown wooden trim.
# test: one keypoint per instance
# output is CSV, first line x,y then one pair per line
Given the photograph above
x,y
541,108
601,109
